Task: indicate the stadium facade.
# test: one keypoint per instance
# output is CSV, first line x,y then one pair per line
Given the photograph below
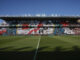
x,y
36,25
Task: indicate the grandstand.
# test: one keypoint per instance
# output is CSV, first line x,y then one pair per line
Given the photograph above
x,y
40,38
40,25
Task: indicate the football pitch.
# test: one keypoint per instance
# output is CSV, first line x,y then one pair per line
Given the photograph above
x,y
40,47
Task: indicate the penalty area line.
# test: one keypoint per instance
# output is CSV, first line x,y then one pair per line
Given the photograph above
x,y
37,49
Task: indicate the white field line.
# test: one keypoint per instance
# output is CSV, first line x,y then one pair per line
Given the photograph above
x,y
37,49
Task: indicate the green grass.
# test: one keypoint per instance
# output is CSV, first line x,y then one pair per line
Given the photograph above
x,y
14,43
65,42
50,47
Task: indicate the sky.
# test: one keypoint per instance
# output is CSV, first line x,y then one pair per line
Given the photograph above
x,y
48,7
21,7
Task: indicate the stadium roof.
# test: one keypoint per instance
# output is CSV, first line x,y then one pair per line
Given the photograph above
x,y
39,17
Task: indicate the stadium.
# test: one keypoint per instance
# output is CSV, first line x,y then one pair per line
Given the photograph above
x,y
33,25
40,38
